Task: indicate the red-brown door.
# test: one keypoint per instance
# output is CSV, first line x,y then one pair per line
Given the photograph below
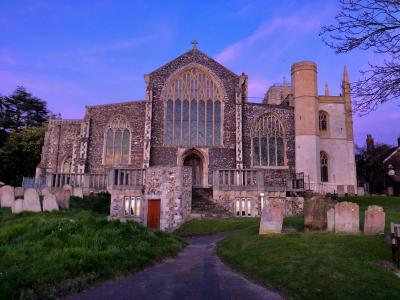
x,y
153,214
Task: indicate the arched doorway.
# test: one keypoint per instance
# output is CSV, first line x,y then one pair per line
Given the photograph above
x,y
194,161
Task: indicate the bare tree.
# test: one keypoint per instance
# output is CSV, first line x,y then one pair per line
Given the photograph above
x,y
370,25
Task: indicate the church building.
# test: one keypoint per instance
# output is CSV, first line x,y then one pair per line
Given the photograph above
x,y
196,130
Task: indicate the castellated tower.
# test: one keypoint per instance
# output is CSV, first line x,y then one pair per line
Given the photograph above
x,y
305,96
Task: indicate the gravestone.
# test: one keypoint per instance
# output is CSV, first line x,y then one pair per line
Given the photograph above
x,y
45,191
347,218
67,187
272,217
374,221
330,218
18,206
62,197
50,203
340,190
350,190
315,213
78,192
19,192
360,191
390,191
7,196
31,201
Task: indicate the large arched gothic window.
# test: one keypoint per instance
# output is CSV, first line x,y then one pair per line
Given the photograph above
x,y
268,142
117,142
193,110
324,167
323,121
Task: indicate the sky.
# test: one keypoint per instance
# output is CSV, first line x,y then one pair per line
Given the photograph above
x,y
77,53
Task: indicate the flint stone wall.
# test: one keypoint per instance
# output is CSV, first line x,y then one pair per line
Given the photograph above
x,y
374,220
347,217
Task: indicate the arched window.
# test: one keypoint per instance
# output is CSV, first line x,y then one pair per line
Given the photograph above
x,y
323,121
67,165
117,141
324,167
193,110
268,142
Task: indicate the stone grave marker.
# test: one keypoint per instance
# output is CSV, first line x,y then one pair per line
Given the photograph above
x,y
350,190
50,202
19,192
340,190
360,191
77,192
374,220
315,213
62,197
45,191
330,217
272,218
347,218
7,196
31,201
18,206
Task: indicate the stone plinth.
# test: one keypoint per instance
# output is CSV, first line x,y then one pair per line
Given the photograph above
x,y
7,196
31,201
330,218
374,221
347,219
50,203
272,218
315,213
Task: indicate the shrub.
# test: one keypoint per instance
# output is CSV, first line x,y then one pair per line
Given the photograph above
x,y
99,202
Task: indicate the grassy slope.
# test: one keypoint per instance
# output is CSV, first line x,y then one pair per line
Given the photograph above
x,y
211,226
318,265
45,255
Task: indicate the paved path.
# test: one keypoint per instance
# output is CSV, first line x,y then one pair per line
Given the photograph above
x,y
195,273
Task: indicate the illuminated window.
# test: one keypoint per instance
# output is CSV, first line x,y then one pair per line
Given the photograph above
x,y
132,206
243,207
268,142
323,121
117,142
193,110
324,167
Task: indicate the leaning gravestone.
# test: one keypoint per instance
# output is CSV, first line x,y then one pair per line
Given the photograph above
x,y
18,206
374,221
50,203
62,197
31,201
19,192
7,196
272,217
77,192
45,191
340,190
330,218
347,218
315,213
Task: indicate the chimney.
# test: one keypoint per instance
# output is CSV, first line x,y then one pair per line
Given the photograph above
x,y
370,143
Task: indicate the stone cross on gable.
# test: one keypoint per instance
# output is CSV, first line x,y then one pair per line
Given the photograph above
x,y
195,43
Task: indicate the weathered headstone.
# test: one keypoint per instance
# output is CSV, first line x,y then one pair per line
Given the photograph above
x,y
67,187
390,191
7,196
18,206
62,197
374,221
350,190
272,217
360,191
45,191
31,201
330,217
50,203
340,190
315,213
347,218
78,192
19,192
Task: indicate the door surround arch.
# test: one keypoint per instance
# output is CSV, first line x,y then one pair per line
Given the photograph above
x,y
184,153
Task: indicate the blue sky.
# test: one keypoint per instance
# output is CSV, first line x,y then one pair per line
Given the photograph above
x,y
77,53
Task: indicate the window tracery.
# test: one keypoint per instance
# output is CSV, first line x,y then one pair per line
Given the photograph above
x,y
193,110
117,142
324,167
268,142
323,121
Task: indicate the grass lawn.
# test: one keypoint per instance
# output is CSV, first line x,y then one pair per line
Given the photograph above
x,y
46,255
318,265
211,226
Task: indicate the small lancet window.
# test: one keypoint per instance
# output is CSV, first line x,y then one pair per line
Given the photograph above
x,y
323,121
324,167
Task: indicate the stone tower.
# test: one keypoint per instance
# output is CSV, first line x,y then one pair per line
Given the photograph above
x,y
304,81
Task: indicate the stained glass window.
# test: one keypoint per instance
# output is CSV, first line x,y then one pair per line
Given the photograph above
x,y
117,142
268,146
198,122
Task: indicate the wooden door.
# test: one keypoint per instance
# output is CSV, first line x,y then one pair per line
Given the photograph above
x,y
153,214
